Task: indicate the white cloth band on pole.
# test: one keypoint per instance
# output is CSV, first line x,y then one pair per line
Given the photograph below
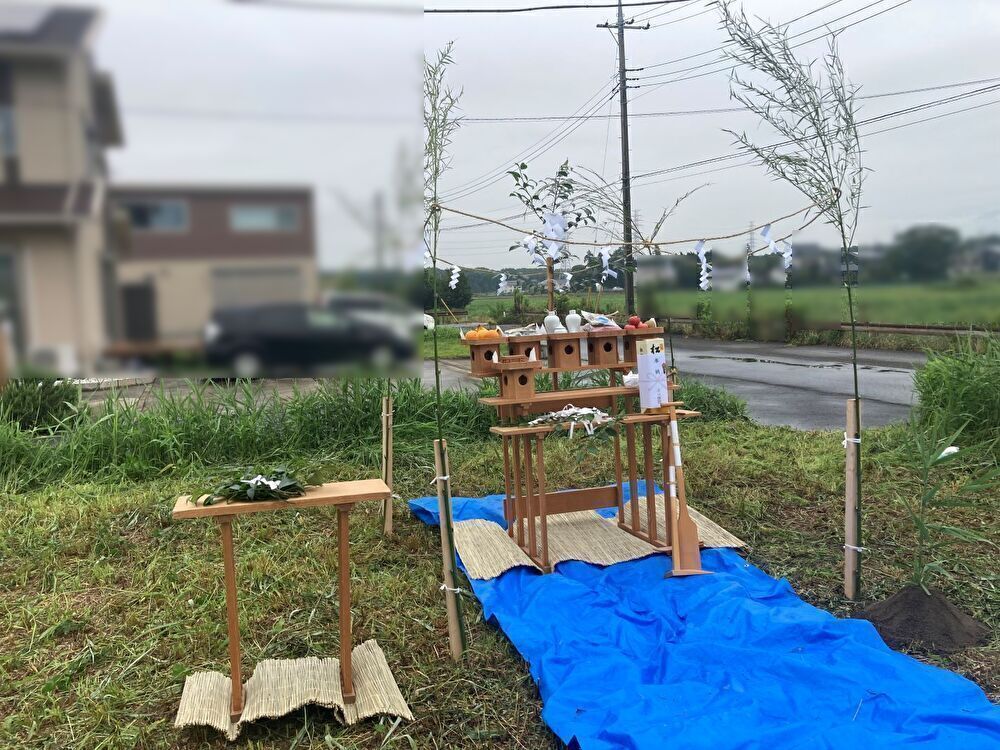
x,y
445,478
856,441
852,548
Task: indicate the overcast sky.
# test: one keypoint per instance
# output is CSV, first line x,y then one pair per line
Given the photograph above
x,y
181,66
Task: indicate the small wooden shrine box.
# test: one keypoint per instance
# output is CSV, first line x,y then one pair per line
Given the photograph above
x,y
517,377
564,350
630,339
483,355
524,345
602,346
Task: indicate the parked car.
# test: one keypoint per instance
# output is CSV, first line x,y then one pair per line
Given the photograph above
x,y
377,309
297,338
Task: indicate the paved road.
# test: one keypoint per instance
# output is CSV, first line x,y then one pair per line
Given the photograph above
x,y
800,386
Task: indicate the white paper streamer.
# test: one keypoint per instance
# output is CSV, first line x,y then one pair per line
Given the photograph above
x,y
786,254
605,255
504,285
705,275
771,246
455,273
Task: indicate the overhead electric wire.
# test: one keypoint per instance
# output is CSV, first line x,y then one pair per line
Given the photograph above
x,y
551,7
736,155
541,148
728,44
730,66
649,15
682,18
600,93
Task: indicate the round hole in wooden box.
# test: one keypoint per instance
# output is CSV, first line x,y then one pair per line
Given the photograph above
x,y
569,349
608,346
505,381
523,380
488,354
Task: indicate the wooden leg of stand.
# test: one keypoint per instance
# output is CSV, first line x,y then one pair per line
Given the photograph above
x,y
540,463
529,498
647,449
232,616
518,504
508,511
619,490
668,484
633,470
685,553
344,551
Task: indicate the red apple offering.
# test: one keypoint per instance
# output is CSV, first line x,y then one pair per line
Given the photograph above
x,y
630,327
634,320
643,325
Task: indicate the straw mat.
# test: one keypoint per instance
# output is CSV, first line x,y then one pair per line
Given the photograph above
x,y
280,686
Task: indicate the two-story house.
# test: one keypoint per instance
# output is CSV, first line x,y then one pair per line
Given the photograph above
x,y
84,267
195,249
58,294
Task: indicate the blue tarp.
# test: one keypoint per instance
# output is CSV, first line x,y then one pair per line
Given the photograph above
x,y
624,658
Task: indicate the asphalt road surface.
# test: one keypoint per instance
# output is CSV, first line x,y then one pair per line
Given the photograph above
x,y
805,387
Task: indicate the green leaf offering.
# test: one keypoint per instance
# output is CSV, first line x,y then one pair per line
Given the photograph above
x,y
252,487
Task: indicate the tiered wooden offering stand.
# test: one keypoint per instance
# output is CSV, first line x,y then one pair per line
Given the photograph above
x,y
528,503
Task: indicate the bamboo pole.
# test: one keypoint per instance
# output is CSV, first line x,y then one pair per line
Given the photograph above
x,y
387,434
852,509
456,634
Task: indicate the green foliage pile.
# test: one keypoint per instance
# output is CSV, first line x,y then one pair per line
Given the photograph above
x,y
38,404
962,387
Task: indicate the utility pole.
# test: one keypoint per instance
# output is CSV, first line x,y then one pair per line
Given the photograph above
x,y
626,171
379,230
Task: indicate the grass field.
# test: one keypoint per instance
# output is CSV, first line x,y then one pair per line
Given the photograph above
x,y
106,603
940,304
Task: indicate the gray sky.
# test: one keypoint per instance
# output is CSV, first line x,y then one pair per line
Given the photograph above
x,y
550,63
189,71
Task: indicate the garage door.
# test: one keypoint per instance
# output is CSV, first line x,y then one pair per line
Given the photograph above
x,y
238,287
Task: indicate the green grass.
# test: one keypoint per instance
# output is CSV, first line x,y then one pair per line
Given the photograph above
x,y
450,346
931,304
108,603
961,389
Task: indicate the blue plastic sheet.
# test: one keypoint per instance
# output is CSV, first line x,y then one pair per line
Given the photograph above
x,y
624,658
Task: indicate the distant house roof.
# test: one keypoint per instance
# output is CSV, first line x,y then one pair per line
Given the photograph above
x,y
39,29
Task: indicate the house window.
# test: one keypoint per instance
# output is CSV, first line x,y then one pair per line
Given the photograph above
x,y
264,218
8,132
158,215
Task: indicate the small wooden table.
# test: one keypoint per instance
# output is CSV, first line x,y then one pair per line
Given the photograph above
x,y
343,495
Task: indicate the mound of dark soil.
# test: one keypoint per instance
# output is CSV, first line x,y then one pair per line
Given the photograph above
x,y
913,619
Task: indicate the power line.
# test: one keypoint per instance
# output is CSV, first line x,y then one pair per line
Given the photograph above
x,y
727,44
729,67
710,111
683,18
550,7
736,155
540,147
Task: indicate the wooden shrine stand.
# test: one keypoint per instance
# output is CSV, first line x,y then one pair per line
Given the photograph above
x,y
342,495
528,503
